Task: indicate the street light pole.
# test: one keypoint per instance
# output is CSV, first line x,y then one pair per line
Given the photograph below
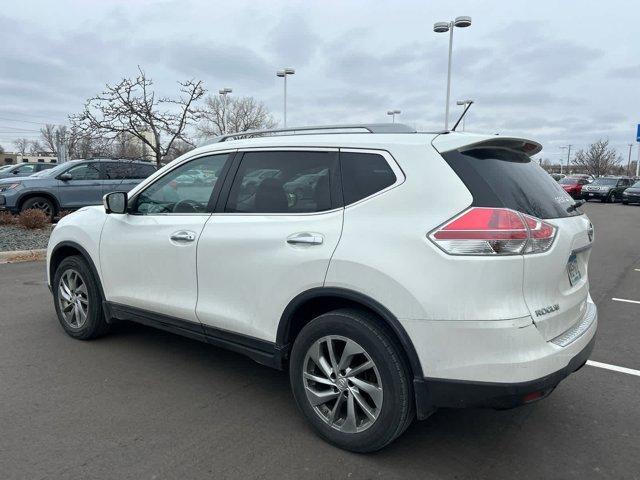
x,y
283,73
443,27
223,93
464,103
393,114
629,161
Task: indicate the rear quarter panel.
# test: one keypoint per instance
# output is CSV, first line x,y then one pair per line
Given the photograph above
x,y
384,251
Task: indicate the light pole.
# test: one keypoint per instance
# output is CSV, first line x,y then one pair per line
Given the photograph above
x,y
629,161
283,73
466,103
568,147
444,27
224,92
393,114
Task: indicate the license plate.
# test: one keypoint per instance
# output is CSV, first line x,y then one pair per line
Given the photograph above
x,y
573,270
591,194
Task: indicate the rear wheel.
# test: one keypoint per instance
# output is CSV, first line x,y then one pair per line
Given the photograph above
x,y
77,299
625,202
351,381
40,203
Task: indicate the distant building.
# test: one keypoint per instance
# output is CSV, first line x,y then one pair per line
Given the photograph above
x,y
8,158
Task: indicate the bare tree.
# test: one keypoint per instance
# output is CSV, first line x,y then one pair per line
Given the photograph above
x,y
35,147
131,107
599,159
21,145
231,115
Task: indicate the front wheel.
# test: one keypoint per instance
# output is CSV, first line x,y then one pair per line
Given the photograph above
x,y
625,202
40,203
613,198
351,381
77,299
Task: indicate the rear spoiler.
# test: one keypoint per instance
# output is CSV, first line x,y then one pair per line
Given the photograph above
x,y
462,142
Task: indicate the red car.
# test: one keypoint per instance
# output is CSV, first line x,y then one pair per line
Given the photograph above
x,y
573,186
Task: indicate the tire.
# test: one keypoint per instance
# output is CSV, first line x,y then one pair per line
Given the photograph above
x,y
625,202
391,406
88,322
613,198
40,203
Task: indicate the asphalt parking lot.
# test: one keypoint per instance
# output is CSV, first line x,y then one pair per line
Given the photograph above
x,y
142,403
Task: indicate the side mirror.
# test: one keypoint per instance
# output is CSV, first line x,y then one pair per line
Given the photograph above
x,y
115,202
65,177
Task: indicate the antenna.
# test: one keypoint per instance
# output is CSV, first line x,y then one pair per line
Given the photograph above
x,y
469,103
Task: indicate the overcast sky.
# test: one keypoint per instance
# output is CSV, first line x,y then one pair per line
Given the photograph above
x,y
557,72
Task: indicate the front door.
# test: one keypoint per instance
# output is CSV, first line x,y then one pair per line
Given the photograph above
x,y
272,240
83,188
148,256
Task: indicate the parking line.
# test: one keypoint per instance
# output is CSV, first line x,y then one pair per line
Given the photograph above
x,y
615,368
637,269
625,300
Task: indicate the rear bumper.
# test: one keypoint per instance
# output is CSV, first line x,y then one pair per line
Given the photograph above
x,y
594,195
497,364
433,393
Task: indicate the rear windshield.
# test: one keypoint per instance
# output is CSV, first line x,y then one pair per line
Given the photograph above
x,y
507,179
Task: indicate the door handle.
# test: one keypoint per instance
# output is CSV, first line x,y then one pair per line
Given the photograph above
x,y
183,236
305,238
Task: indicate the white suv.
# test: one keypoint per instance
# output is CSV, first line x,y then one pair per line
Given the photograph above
x,y
392,272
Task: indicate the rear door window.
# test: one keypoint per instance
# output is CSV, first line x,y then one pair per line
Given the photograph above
x,y
364,174
284,182
139,170
507,179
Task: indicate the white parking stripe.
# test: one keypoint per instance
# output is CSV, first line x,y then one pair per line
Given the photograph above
x,y
637,269
615,368
625,300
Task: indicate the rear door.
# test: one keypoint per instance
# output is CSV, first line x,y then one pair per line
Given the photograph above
x,y
555,283
268,242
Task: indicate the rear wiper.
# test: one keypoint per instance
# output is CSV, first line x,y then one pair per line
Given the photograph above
x,y
575,206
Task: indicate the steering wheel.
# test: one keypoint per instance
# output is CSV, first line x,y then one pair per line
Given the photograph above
x,y
188,206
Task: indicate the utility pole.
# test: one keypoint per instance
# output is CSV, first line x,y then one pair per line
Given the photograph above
x,y
568,147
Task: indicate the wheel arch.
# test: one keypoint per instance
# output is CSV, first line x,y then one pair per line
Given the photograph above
x,y
66,249
31,194
316,301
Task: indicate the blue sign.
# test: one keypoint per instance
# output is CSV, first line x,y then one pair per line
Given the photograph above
x,y
638,134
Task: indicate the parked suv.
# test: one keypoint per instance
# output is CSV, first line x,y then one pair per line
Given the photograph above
x,y
24,169
384,299
606,189
71,185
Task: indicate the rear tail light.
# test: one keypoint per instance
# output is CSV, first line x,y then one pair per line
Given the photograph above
x,y
493,231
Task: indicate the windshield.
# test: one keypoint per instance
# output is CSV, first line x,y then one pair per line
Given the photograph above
x,y
636,185
568,181
605,181
6,167
57,170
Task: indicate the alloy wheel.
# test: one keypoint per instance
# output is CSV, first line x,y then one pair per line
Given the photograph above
x,y
43,206
73,298
342,384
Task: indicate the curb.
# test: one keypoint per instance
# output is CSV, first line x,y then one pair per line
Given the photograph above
x,y
16,256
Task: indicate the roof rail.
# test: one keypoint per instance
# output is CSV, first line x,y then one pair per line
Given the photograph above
x,y
318,129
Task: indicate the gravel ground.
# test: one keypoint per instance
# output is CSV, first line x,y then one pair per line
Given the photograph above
x,y
13,237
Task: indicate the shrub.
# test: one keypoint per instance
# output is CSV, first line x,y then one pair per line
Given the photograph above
x,y
63,213
7,218
33,219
